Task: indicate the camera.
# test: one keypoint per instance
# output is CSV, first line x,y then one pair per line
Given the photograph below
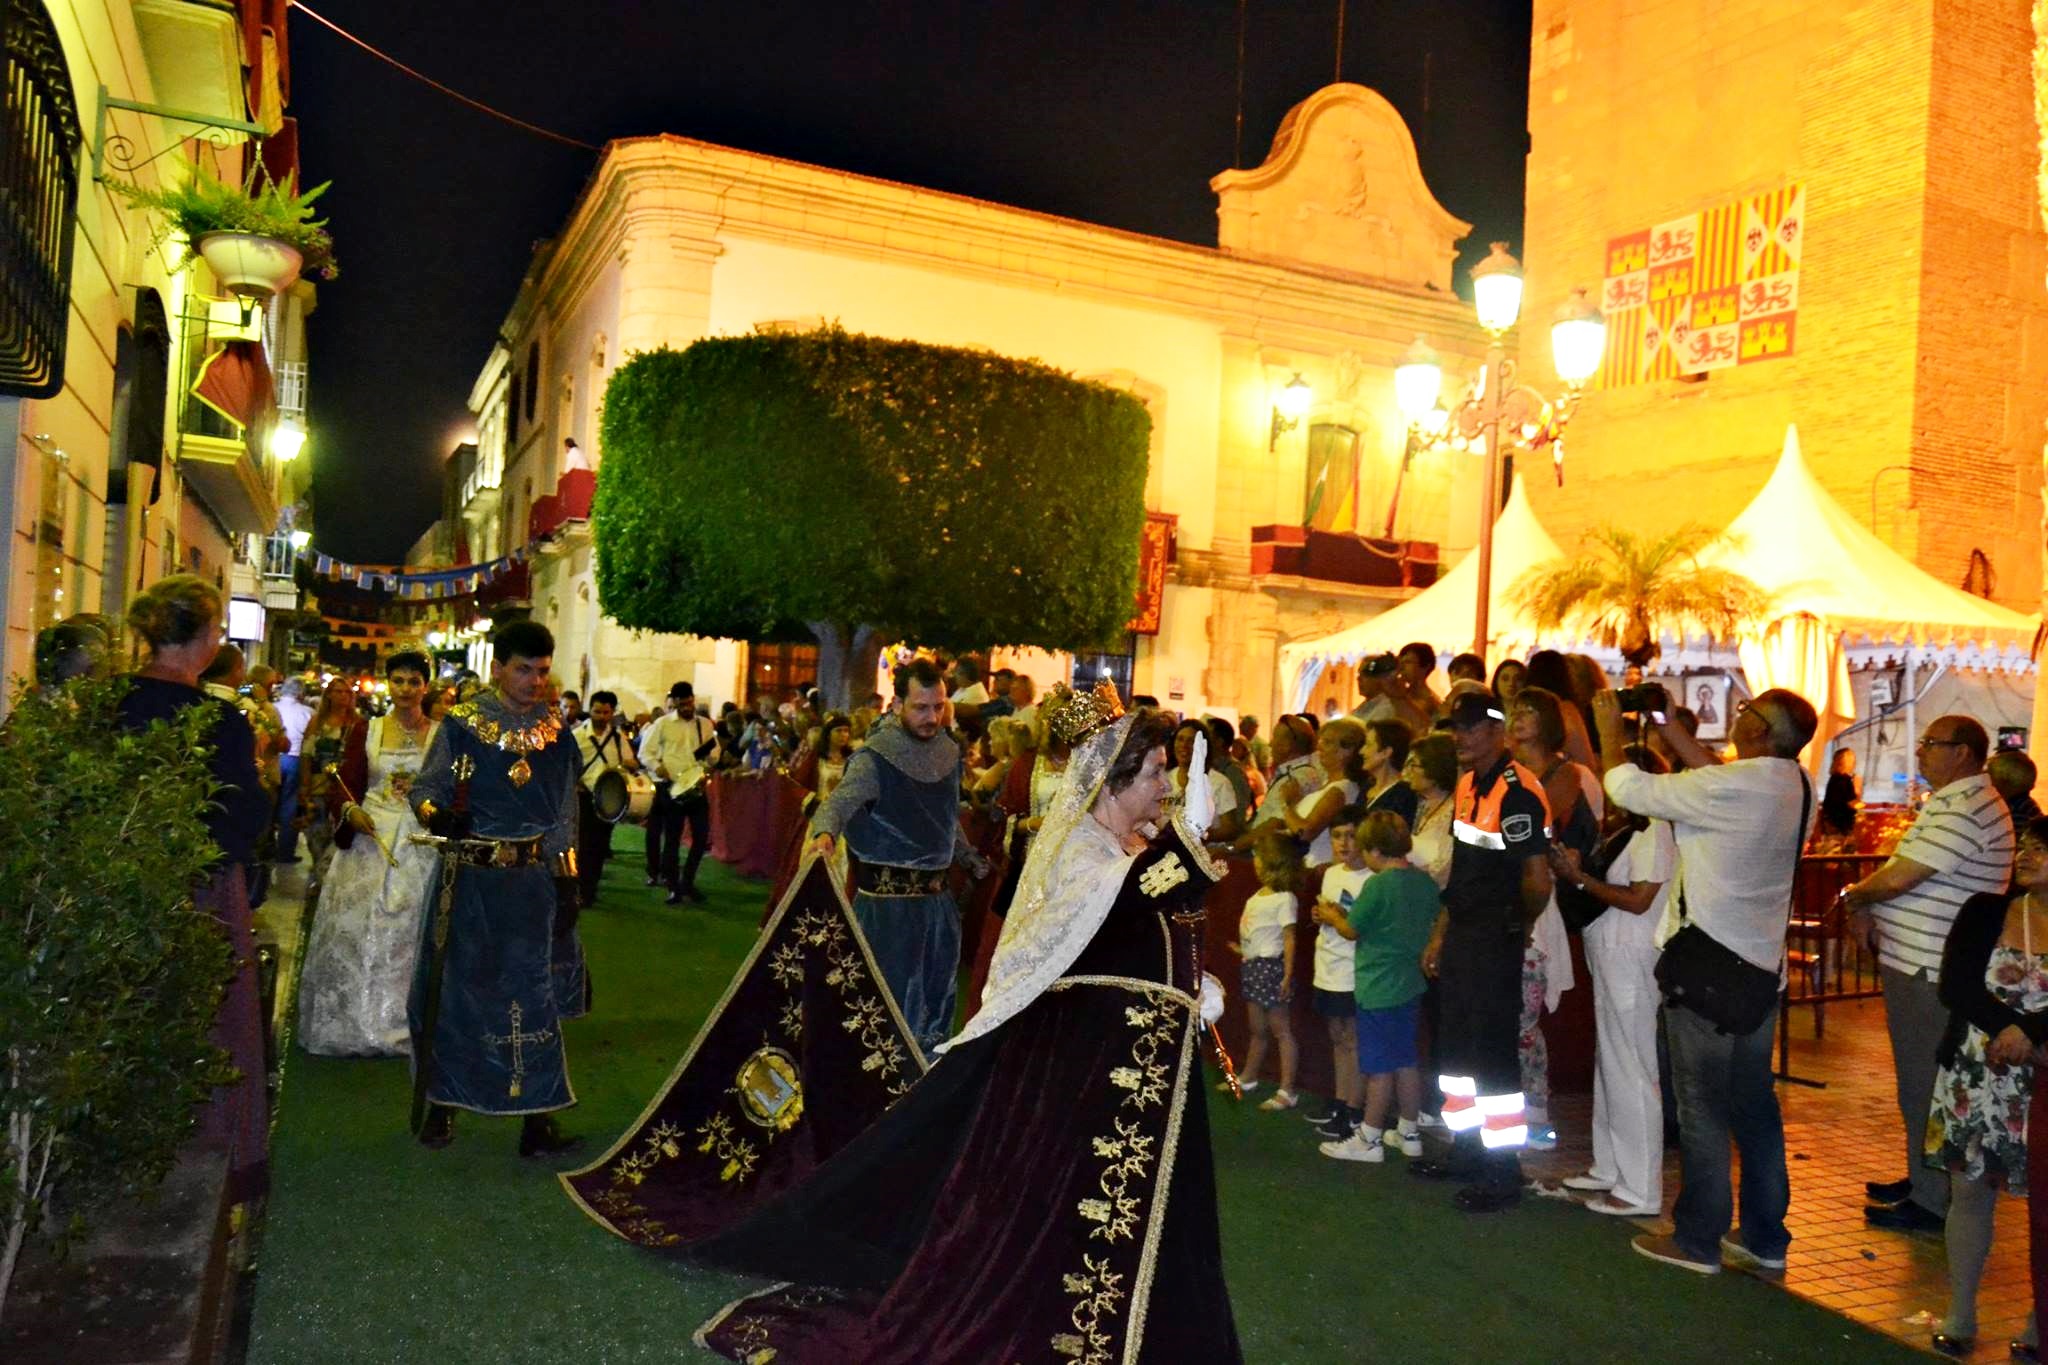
x,y
1645,699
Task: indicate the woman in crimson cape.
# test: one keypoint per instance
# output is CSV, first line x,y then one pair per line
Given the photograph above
x,y
1049,1181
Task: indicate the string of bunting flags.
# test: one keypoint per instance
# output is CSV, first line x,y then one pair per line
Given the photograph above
x,y
415,587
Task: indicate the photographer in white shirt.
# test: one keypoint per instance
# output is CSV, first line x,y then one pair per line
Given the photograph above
x,y
1737,826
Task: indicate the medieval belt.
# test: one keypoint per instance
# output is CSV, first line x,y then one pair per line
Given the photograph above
x,y
501,852
881,880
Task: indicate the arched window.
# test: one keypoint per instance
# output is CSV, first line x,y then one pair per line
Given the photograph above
x,y
39,183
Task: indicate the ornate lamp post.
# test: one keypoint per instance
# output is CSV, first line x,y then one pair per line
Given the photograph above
x,y
1495,400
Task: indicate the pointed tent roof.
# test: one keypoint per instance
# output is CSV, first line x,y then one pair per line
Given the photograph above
x,y
1444,611
1804,548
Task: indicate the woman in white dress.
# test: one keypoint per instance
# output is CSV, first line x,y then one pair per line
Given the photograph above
x,y
366,931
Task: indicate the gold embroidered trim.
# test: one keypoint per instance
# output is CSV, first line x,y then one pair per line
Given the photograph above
x,y
1148,1259
1129,1157
615,1209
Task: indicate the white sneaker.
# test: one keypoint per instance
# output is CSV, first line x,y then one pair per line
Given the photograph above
x,y
1429,1121
1357,1147
1411,1143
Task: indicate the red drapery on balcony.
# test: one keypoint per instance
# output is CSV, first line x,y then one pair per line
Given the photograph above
x,y
235,382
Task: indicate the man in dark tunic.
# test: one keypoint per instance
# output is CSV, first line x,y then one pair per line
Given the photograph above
x,y
499,783
899,809
1500,883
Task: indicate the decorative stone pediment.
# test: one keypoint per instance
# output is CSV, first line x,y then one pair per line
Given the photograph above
x,y
1341,189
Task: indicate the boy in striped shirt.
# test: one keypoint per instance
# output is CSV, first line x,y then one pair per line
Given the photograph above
x,y
1960,844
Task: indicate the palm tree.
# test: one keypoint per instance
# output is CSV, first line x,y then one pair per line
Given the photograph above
x,y
1624,590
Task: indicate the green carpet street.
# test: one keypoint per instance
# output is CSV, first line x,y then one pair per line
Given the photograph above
x,y
377,1250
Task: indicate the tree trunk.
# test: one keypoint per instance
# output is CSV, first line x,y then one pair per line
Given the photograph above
x,y
847,656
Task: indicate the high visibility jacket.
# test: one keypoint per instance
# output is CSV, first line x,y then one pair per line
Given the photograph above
x,y
1499,819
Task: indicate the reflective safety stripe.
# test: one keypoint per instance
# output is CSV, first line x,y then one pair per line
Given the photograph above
x,y
1461,1112
1467,833
1504,1123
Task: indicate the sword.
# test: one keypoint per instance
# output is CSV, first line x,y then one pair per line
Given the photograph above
x,y
436,949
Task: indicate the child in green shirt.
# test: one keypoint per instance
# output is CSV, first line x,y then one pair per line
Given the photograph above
x,y
1390,921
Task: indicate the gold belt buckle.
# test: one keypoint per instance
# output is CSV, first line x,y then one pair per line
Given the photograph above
x,y
505,855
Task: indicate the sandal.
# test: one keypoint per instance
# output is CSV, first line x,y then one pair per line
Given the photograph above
x,y
1279,1100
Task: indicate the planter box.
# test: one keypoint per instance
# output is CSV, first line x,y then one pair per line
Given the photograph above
x,y
152,1285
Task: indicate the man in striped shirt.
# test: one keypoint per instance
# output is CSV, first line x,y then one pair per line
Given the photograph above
x,y
1960,844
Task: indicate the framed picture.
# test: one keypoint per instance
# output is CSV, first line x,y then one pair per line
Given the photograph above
x,y
1707,695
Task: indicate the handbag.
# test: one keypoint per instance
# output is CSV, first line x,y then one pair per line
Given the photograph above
x,y
1697,973
1577,905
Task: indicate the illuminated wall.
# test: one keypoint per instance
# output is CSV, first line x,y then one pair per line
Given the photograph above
x,y
1902,324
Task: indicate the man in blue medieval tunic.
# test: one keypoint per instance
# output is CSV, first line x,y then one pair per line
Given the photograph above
x,y
898,808
500,964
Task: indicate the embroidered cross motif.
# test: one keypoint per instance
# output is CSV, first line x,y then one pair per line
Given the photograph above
x,y
518,1038
1163,876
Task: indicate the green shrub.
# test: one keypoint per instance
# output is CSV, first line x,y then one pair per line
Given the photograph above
x,y
110,978
758,487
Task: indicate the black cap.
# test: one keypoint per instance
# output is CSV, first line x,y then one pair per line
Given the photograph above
x,y
681,690
1475,708
1377,665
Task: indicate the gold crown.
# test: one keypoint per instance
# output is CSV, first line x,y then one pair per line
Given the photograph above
x,y
1077,715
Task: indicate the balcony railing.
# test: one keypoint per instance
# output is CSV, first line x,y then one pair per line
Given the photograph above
x,y
570,502
1338,557
291,387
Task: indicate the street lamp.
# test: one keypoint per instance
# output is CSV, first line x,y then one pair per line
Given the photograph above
x,y
287,439
301,539
1289,407
1578,340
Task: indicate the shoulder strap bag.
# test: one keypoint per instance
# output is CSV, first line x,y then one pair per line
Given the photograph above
x,y
1697,973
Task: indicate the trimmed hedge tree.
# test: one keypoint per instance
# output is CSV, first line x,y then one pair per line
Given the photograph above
x,y
860,489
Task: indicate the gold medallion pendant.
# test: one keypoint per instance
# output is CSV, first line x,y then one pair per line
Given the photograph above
x,y
770,1090
520,773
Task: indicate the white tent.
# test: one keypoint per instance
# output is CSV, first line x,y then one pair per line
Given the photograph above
x,y
1834,585
1444,611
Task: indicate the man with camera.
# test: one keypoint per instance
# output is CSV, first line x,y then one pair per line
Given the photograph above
x,y
1960,844
1740,827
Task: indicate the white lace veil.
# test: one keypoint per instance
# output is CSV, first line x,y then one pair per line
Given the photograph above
x,y
1070,880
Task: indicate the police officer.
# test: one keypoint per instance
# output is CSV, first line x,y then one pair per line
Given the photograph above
x,y
1499,884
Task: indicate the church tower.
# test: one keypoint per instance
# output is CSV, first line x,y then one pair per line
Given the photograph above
x,y
1798,211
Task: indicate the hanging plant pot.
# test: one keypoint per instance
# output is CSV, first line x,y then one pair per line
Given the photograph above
x,y
250,266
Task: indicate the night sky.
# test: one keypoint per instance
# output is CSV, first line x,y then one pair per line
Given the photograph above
x,y
1111,111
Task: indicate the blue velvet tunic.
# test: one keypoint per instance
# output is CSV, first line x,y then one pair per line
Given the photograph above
x,y
509,978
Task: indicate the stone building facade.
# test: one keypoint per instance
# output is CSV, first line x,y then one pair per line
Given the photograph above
x,y
1333,257
117,475
1918,376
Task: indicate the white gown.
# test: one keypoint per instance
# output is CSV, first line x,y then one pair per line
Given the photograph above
x,y
365,938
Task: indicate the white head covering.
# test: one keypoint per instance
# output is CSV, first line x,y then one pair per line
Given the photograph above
x,y
1070,880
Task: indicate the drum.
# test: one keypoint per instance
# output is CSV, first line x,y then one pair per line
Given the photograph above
x,y
639,798
610,795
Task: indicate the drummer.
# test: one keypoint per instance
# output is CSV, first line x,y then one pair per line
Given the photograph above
x,y
603,746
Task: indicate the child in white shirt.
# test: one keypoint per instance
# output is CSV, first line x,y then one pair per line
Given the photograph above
x,y
1266,943
1335,978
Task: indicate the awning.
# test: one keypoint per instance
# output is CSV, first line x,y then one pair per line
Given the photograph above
x,y
235,382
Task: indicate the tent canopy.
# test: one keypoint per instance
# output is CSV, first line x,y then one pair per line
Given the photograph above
x,y
1444,612
1817,560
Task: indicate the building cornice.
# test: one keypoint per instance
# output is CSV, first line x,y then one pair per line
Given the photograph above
x,y
682,193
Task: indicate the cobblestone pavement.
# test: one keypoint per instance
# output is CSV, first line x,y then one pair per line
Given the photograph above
x,y
1837,1136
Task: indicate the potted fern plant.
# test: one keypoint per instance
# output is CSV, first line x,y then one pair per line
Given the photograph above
x,y
257,237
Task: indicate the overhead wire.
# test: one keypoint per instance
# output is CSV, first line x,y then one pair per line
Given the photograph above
x,y
453,94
